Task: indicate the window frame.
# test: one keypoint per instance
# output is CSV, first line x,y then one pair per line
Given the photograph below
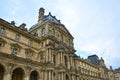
x,y
30,42
17,37
43,32
2,30
15,50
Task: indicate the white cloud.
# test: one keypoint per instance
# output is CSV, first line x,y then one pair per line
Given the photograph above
x,y
94,28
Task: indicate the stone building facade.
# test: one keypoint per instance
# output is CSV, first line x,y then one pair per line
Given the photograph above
x,y
45,52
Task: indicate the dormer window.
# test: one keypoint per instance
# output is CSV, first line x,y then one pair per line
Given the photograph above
x,y
43,32
2,30
17,37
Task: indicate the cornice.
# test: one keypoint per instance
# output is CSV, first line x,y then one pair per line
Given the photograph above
x,y
18,42
15,59
18,30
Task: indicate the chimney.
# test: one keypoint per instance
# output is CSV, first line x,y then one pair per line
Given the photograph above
x,y
41,14
12,22
22,26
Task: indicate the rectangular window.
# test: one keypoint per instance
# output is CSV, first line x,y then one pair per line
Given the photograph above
x,y
0,45
17,37
1,30
29,54
30,43
15,50
54,60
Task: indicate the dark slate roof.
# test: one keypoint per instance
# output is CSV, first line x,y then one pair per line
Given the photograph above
x,y
48,17
117,70
34,26
51,18
94,59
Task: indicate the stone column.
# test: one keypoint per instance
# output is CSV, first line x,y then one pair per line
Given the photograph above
x,y
51,59
61,57
7,76
73,62
50,52
27,77
62,76
52,75
58,60
47,55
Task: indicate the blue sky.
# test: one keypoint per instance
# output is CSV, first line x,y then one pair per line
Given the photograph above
x,y
95,24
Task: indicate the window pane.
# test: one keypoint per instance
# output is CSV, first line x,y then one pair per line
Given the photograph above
x,y
15,50
17,38
43,32
1,31
30,43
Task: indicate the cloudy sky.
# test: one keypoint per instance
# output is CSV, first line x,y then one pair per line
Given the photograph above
x,y
95,24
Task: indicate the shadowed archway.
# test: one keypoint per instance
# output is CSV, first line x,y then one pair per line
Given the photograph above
x,y
34,75
67,77
2,71
18,74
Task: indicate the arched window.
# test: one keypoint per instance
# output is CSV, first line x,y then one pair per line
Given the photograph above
x,y
43,32
34,75
18,74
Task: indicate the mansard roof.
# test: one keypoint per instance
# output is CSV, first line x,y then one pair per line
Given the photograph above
x,y
94,59
52,19
117,70
48,17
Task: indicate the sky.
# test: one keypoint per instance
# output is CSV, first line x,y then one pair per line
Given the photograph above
x,y
95,24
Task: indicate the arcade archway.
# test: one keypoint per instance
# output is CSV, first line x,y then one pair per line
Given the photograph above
x,y
34,75
2,71
18,74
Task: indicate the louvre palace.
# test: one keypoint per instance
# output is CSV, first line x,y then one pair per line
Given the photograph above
x,y
46,52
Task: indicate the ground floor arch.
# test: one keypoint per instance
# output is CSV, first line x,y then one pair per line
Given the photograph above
x,y
2,71
34,75
18,74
